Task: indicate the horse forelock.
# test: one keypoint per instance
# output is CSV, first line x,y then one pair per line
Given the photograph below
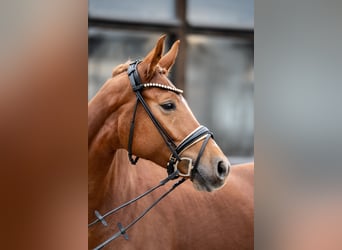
x,y
162,70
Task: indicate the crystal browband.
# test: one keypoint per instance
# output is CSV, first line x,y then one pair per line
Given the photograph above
x,y
162,86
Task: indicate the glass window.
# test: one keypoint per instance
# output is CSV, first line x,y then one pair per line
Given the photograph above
x,y
219,89
147,10
221,13
219,70
107,49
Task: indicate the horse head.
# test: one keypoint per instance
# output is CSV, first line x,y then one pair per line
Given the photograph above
x,y
159,126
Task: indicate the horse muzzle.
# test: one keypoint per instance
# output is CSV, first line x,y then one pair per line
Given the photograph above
x,y
210,179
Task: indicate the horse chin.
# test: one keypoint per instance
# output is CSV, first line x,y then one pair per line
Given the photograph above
x,y
201,187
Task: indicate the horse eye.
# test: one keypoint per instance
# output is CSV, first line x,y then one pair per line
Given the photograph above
x,y
168,106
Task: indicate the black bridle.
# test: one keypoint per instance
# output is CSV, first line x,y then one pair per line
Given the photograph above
x,y
199,134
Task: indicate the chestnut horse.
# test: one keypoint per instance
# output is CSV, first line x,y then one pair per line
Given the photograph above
x,y
142,112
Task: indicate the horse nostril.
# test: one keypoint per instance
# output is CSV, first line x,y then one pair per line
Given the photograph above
x,y
222,170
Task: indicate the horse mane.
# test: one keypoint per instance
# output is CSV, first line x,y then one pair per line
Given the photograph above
x,y
121,68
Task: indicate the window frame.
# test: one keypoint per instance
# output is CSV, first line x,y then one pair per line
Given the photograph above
x,y
179,28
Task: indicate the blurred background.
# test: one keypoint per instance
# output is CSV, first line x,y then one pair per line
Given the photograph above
x,y
215,65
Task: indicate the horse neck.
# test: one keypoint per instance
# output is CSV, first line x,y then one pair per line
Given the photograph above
x,y
106,193
102,110
103,141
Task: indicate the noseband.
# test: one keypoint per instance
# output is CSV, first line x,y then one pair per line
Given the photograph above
x,y
200,133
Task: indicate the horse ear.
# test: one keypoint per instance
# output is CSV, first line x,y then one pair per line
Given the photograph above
x,y
153,58
169,58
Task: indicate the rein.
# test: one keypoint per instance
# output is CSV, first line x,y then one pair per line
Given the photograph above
x,y
123,230
199,134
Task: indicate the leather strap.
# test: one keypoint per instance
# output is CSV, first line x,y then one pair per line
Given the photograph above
x,y
137,87
200,133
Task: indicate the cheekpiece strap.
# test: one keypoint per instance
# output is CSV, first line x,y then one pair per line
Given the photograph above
x,y
137,86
